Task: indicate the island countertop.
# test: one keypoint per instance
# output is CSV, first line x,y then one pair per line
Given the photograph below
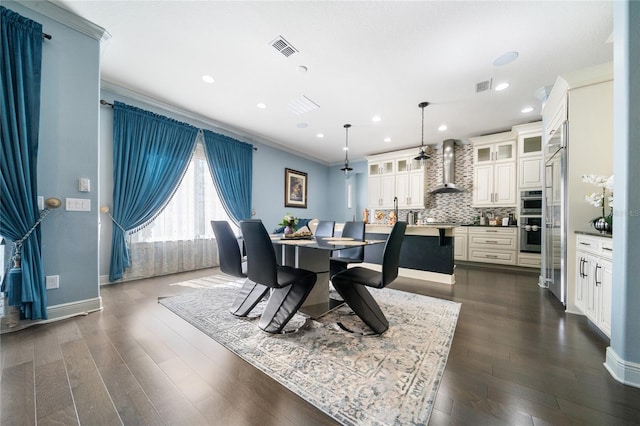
x,y
430,230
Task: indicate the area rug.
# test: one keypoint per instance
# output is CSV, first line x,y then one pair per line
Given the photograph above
x,y
391,379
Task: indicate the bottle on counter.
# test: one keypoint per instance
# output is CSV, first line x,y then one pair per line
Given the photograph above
x,y
483,220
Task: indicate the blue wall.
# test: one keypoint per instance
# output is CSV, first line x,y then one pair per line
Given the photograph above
x,y
357,180
68,150
324,201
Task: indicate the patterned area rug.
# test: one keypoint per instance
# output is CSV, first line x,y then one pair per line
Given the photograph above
x,y
390,379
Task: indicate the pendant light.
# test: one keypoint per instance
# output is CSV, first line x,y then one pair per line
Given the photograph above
x,y
346,169
422,155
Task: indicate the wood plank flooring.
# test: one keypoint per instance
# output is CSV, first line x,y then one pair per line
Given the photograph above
x,y
516,359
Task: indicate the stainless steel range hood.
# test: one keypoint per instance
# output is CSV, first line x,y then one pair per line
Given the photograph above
x,y
448,168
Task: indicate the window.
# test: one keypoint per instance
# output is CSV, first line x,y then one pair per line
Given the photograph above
x,y
193,206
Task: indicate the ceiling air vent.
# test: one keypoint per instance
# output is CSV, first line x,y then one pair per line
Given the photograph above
x,y
301,105
483,86
283,46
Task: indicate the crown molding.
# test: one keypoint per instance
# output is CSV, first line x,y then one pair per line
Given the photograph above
x,y
216,126
68,18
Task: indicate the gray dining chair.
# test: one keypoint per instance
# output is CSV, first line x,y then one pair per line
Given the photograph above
x,y
351,283
325,228
289,287
340,259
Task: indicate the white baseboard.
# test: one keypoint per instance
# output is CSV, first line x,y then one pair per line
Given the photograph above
x,y
59,312
626,372
416,274
80,307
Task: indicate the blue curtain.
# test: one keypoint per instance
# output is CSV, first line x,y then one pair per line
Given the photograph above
x,y
21,63
231,165
150,155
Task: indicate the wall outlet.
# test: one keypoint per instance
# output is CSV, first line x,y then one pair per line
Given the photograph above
x,y
53,281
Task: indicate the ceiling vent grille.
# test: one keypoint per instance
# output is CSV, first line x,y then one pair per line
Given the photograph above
x,y
483,86
301,105
283,46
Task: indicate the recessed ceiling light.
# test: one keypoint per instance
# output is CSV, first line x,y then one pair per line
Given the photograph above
x,y
505,59
207,79
387,139
261,105
320,135
526,109
501,86
442,127
302,69
376,118
302,125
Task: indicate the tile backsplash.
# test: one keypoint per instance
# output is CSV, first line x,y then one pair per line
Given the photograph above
x,y
452,207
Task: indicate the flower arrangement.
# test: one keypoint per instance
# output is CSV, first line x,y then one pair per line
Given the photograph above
x,y
598,199
289,220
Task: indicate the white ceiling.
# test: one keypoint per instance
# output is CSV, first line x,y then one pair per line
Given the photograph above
x,y
364,58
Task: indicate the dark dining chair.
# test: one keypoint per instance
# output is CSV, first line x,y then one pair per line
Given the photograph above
x,y
325,228
340,259
228,249
351,283
231,263
289,287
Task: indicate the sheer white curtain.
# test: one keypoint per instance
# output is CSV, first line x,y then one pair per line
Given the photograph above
x,y
180,238
189,213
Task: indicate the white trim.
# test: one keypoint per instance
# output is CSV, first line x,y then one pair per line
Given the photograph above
x,y
68,18
626,372
218,126
61,312
80,307
416,274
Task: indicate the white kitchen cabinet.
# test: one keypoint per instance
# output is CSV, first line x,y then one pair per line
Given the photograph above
x,y
381,184
410,189
529,137
410,182
494,172
381,190
530,260
594,279
396,174
492,244
460,237
494,185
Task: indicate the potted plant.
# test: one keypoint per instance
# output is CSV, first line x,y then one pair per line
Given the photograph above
x,y
604,222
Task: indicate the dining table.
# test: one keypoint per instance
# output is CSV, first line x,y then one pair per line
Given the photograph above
x,y
313,254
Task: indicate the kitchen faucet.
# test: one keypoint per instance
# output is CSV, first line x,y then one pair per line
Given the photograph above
x,y
395,207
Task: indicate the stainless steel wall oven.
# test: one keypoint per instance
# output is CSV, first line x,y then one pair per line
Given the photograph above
x,y
530,234
531,203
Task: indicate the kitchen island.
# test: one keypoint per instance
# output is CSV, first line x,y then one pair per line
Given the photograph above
x,y
426,254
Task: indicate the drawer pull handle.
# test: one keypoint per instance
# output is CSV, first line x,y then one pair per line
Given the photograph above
x,y
607,249
491,256
585,244
491,241
491,230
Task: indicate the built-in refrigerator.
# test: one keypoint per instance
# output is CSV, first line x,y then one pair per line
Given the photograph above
x,y
554,215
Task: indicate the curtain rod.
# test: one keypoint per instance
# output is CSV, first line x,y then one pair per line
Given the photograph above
x,y
47,36
107,104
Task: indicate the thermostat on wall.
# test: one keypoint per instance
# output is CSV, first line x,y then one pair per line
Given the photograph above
x,y
84,185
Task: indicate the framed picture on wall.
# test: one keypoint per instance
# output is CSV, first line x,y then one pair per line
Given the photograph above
x,y
295,188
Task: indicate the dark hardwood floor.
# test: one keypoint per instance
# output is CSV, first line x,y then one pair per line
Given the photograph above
x,y
516,359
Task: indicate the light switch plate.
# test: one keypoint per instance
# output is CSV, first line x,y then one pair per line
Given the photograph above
x,y
78,204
